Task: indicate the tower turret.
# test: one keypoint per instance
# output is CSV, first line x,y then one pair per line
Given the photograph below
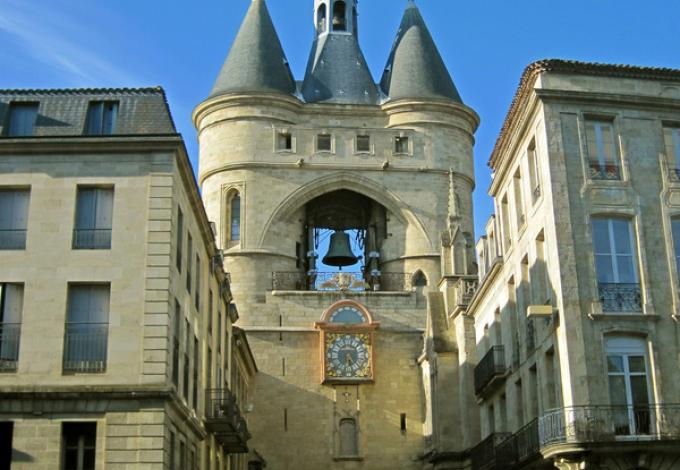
x,y
337,71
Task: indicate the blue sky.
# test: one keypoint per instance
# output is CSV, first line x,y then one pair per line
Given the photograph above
x,y
181,46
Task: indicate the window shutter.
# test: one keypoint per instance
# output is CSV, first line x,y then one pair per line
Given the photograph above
x,y
13,302
104,209
85,210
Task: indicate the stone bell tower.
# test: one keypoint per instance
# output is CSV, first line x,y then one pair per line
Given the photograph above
x,y
285,163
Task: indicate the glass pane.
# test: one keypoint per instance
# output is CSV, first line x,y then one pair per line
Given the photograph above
x,y
622,236
605,272
637,364
13,302
110,115
601,236
85,209
670,146
615,363
676,236
88,459
104,209
591,141
638,384
608,144
617,390
626,270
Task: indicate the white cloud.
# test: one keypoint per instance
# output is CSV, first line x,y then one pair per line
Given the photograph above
x,y
57,42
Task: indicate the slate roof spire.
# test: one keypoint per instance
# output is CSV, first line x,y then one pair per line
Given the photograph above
x,y
415,69
256,62
337,71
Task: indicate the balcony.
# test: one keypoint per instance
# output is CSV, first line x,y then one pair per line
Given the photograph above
x,y
485,456
12,239
608,171
224,419
92,239
674,174
521,447
598,424
85,346
9,346
490,371
341,282
620,297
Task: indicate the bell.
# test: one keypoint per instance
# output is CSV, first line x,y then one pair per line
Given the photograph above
x,y
339,251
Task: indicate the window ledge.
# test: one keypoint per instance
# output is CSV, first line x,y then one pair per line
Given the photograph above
x,y
618,316
348,458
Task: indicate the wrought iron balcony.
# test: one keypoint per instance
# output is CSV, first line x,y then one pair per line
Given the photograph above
x,y
620,297
674,174
341,281
485,456
85,346
490,370
9,346
223,418
521,447
595,424
12,239
92,239
609,171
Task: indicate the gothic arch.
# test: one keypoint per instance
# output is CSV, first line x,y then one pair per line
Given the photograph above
x,y
349,181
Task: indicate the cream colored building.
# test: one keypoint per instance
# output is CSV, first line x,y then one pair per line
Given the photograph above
x,y
575,320
117,345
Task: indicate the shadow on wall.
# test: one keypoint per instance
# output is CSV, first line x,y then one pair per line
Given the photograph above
x,y
21,457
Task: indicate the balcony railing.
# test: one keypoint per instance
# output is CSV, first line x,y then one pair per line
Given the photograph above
x,y
9,346
594,424
92,239
491,368
85,346
12,239
674,174
485,456
341,281
620,297
224,419
521,447
608,171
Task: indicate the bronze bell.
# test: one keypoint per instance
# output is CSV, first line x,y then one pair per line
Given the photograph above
x,y
339,251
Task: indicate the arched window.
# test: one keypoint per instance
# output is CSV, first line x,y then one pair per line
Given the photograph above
x,y
339,16
235,217
321,19
348,437
419,279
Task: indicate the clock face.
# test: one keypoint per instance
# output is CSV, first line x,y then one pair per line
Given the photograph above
x,y
347,314
348,356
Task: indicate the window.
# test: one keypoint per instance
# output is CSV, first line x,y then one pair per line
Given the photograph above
x,y
363,143
101,118
182,456
6,434
505,223
672,140
94,214
210,313
628,385
284,142
675,226
13,218
79,445
175,343
180,239
172,450
616,264
603,157
401,145
323,143
339,19
321,19
235,217
348,437
87,325
419,279
22,119
197,289
519,200
190,249
196,370
187,350
209,372
534,173
11,307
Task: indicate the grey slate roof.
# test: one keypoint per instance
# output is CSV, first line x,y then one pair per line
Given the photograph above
x,y
337,72
415,69
63,112
256,61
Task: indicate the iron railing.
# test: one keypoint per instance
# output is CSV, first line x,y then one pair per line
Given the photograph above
x,y
9,346
485,456
12,239
609,171
224,419
585,424
674,174
85,347
92,239
341,281
521,447
620,297
491,367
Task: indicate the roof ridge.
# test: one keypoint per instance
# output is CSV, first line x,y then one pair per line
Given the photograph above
x,y
82,91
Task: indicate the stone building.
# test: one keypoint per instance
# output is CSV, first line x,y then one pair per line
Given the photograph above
x,y
575,320
117,344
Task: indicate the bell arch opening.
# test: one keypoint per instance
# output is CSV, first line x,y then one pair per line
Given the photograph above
x,y
339,16
321,21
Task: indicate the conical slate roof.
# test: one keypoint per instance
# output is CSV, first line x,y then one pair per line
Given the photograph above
x,y
415,69
256,61
337,72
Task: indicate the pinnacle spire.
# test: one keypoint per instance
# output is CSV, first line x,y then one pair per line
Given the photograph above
x,y
415,69
256,61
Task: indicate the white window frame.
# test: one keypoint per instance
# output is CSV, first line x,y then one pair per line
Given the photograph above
x,y
671,135
331,137
612,254
617,159
371,148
